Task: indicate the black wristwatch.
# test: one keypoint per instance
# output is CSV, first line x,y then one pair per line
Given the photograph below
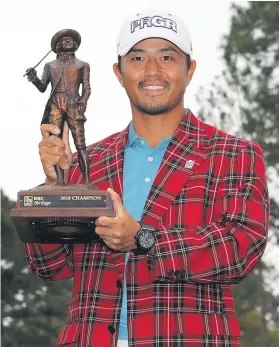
x,y
145,239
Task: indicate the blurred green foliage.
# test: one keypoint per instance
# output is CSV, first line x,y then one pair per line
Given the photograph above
x,y
244,100
32,311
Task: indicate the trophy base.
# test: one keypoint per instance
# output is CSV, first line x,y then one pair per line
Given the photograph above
x,y
60,214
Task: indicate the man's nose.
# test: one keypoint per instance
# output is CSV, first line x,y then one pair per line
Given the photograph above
x,y
152,67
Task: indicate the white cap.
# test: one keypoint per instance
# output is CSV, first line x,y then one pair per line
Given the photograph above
x,y
157,24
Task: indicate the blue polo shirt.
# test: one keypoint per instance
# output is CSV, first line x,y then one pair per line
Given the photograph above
x,y
141,163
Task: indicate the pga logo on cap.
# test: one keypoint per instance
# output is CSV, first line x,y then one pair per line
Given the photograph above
x,y
156,21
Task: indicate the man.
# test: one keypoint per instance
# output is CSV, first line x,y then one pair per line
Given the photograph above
x,y
66,74
191,209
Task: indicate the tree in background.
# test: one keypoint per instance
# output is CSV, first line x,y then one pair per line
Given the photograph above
x,y
244,100
33,311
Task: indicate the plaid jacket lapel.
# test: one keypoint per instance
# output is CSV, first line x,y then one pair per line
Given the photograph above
x,y
187,150
107,162
112,159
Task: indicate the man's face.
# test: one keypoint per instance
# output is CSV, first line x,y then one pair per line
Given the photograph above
x,y
154,74
67,44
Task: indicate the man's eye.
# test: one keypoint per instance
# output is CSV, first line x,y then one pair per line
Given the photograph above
x,y
166,57
138,58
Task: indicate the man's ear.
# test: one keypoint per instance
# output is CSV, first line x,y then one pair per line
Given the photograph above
x,y
118,74
191,71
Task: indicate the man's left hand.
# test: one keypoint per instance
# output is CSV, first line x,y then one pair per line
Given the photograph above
x,y
118,233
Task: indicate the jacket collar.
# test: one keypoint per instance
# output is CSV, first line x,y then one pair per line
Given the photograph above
x,y
187,150
190,131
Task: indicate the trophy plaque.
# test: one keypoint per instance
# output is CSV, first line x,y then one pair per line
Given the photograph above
x,y
63,213
57,214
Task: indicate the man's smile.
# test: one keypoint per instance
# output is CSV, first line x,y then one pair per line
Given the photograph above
x,y
154,88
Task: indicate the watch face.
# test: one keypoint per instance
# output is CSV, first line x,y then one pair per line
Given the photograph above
x,y
146,239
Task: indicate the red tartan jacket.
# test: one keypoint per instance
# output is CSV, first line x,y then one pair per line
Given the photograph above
x,y
210,208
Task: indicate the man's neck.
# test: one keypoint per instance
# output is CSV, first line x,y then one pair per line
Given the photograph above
x,y
156,128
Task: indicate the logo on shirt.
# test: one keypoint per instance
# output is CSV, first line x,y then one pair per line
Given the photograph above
x,y
155,21
189,164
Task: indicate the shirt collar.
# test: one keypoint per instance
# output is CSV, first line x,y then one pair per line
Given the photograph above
x,y
133,136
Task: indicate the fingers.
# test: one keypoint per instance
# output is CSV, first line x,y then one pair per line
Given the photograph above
x,y
52,145
65,136
49,160
117,244
53,150
49,129
115,237
118,232
66,141
106,231
112,235
49,140
117,203
105,222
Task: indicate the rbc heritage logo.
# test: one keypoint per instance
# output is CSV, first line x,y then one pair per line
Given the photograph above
x,y
156,21
28,201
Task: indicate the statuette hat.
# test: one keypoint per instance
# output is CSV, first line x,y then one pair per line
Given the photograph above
x,y
64,33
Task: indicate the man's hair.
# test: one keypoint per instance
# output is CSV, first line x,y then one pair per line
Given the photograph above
x,y
188,62
59,44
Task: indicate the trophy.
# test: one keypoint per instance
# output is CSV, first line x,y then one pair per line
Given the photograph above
x,y
63,213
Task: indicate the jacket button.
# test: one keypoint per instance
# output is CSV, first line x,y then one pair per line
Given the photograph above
x,y
177,273
111,329
170,272
183,273
119,284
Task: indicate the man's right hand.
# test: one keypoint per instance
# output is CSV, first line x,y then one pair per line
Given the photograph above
x,y
54,151
31,74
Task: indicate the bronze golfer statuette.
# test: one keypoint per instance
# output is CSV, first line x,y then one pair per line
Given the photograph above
x,y
63,213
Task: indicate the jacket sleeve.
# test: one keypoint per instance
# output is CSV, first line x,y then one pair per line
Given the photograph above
x,y
42,83
231,246
86,89
50,261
